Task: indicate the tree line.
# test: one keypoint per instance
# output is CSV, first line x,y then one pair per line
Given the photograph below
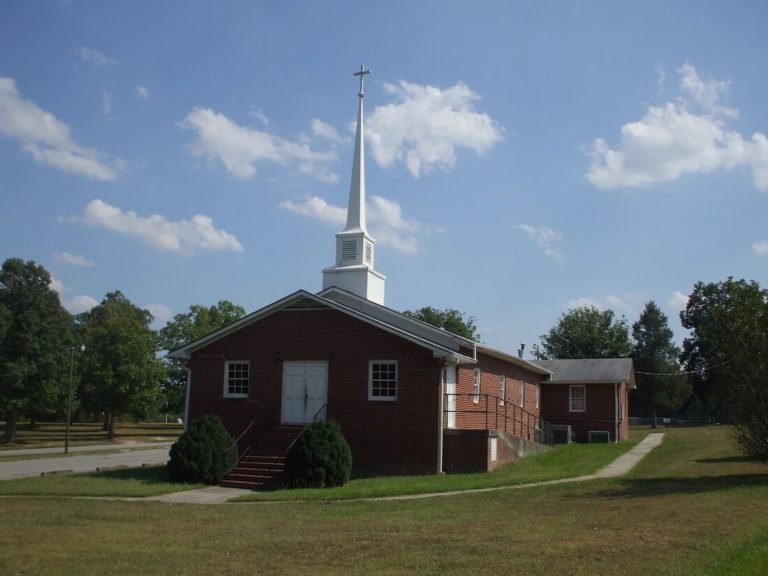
x,y
109,357
106,359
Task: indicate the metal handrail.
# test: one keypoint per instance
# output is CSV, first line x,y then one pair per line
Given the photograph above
x,y
316,418
520,422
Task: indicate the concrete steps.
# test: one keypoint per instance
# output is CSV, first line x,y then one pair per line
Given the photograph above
x,y
263,466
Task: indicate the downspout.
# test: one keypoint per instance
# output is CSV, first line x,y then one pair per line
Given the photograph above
x,y
616,411
442,418
186,400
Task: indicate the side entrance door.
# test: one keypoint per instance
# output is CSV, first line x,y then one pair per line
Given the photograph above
x,y
305,390
449,381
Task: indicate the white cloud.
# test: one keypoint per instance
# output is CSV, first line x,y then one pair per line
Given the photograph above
x,y
385,220
606,302
325,130
46,138
95,57
317,208
73,259
240,148
56,285
79,304
761,247
143,92
160,313
547,238
259,115
677,300
185,236
672,140
425,125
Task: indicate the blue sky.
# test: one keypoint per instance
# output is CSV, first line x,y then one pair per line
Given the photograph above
x,y
523,158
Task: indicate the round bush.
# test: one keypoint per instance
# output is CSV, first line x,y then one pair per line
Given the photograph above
x,y
202,454
320,457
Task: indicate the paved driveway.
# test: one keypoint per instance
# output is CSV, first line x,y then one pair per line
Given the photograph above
x,y
84,462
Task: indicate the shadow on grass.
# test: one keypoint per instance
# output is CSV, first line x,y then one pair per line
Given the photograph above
x,y
728,460
648,487
146,475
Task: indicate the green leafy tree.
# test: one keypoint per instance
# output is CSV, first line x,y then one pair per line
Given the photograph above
x,y
35,338
660,383
185,328
122,374
587,332
727,353
449,319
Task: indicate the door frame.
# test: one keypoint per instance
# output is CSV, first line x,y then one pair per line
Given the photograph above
x,y
310,407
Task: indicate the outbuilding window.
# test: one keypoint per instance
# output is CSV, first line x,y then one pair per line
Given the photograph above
x,y
502,390
236,375
382,380
578,398
476,386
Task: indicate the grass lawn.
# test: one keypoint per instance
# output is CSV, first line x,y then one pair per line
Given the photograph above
x,y
693,506
559,462
51,434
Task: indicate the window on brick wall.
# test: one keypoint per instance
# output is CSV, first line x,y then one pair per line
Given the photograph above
x,y
502,389
578,398
476,386
522,393
382,380
236,379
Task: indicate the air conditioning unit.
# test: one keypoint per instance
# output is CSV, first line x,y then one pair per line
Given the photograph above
x,y
599,437
562,434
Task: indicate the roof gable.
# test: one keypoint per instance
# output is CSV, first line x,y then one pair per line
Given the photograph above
x,y
442,344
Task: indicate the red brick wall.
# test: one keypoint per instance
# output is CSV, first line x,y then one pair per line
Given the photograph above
x,y
488,413
600,413
386,437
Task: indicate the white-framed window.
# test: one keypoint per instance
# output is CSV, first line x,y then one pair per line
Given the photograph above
x,y
236,374
382,380
522,393
476,386
578,398
502,389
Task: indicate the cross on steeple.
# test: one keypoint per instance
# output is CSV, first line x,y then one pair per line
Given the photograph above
x,y
362,74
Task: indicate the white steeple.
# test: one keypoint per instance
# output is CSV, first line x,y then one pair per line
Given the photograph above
x,y
354,247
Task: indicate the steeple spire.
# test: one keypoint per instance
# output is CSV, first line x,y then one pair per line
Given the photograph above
x,y
354,247
356,206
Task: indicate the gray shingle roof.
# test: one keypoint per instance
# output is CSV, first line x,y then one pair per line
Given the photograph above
x,y
595,370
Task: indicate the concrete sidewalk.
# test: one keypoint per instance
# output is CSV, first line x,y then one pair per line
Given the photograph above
x,y
619,467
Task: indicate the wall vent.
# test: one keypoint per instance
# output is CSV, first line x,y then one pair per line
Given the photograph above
x,y
599,437
562,434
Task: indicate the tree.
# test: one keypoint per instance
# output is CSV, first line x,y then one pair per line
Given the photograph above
x,y
660,383
449,319
727,353
185,328
122,374
35,336
587,332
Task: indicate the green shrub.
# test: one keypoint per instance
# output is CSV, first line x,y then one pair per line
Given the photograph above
x,y
320,457
202,454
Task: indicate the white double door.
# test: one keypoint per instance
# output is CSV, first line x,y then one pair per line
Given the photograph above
x,y
305,390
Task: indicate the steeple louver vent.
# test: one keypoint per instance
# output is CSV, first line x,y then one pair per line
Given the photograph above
x,y
369,253
349,251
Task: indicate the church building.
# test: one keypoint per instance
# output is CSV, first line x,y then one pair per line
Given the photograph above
x,y
409,397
